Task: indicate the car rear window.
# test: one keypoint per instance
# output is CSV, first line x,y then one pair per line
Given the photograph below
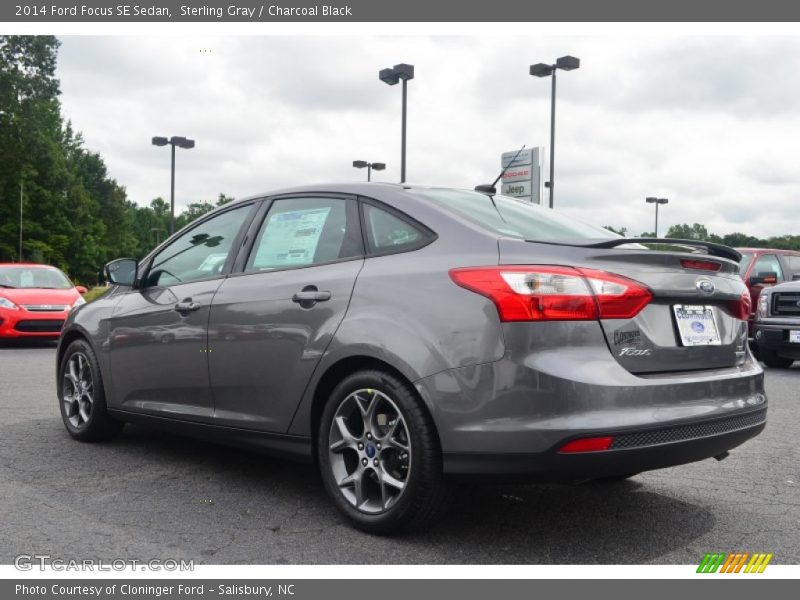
x,y
514,218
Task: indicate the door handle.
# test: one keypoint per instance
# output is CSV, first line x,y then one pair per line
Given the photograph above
x,y
309,296
184,307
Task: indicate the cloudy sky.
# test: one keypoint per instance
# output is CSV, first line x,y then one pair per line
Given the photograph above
x,y
712,123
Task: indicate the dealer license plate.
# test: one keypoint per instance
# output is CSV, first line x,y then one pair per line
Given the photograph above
x,y
697,324
794,336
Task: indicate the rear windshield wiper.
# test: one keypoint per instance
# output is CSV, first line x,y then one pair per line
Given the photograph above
x,y
10,287
710,248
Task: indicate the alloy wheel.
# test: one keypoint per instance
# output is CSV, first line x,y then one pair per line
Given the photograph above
x,y
370,451
77,391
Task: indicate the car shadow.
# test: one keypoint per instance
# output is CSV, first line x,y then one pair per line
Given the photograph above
x,y
223,505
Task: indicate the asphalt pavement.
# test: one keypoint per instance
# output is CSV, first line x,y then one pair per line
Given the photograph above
x,y
151,495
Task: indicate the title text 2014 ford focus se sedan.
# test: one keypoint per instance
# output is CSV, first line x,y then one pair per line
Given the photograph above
x,y
401,336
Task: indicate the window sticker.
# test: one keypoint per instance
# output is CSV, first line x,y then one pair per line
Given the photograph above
x,y
291,238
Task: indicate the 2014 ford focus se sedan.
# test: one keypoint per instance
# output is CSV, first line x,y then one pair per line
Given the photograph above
x,y
401,336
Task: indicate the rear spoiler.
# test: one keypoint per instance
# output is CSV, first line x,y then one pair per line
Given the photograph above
x,y
706,247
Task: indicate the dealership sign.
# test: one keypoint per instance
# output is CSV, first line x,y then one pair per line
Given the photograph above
x,y
523,175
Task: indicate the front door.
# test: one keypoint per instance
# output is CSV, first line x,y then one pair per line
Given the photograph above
x,y
158,332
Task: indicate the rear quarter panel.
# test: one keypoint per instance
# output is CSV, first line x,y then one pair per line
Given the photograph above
x,y
406,311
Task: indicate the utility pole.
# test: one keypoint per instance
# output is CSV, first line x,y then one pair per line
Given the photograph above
x,y
21,192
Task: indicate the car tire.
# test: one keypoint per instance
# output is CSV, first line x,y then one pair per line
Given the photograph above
x,y
81,396
379,454
775,361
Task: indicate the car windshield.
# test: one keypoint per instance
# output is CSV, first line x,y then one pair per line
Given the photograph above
x,y
512,217
48,278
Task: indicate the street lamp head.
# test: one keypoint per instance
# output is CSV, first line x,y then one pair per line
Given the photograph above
x,y
662,201
568,63
379,166
404,71
360,164
388,76
651,200
160,141
181,142
541,70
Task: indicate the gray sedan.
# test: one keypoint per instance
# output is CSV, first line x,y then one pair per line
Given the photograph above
x,y
404,336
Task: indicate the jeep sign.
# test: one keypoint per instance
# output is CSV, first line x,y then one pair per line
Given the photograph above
x,y
522,178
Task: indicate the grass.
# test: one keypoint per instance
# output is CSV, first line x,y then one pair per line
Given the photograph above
x,y
94,293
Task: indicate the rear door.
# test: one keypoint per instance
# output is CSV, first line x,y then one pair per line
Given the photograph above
x,y
271,322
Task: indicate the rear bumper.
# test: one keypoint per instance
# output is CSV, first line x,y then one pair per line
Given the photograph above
x,y
511,416
639,450
775,337
24,324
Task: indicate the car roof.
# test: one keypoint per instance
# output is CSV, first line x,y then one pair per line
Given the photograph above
x,y
360,188
760,251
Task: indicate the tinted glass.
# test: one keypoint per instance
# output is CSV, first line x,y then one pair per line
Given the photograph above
x,y
747,258
299,232
200,252
793,262
512,217
33,277
767,263
388,232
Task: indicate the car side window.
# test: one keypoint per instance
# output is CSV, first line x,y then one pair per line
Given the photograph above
x,y
388,232
300,232
793,262
200,253
768,263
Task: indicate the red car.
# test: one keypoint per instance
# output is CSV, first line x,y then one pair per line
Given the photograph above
x,y
765,267
35,300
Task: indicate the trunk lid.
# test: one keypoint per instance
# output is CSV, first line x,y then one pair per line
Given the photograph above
x,y
688,304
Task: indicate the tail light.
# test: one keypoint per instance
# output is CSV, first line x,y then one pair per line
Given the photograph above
x,y
700,265
742,307
545,293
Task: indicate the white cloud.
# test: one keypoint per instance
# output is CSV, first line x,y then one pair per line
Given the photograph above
x,y
707,122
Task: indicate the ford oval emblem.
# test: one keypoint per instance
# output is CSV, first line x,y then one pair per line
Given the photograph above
x,y
705,286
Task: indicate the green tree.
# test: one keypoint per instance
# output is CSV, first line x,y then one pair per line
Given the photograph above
x,y
688,232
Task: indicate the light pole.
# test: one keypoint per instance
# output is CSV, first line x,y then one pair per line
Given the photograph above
x,y
180,142
360,164
21,195
656,201
565,63
401,72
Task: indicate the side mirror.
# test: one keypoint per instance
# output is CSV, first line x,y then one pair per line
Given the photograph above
x,y
121,271
81,290
765,277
